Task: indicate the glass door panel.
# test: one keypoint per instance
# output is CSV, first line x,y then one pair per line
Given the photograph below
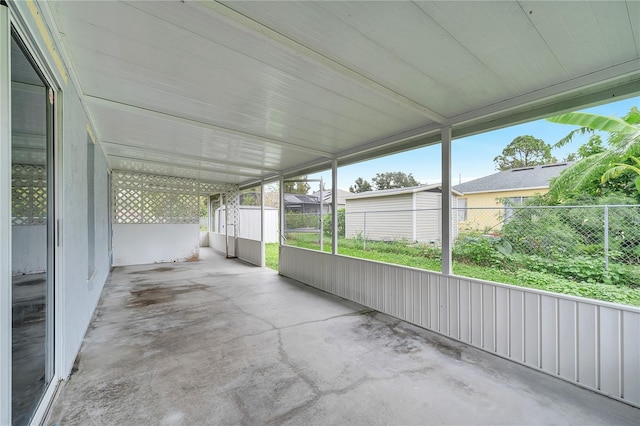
x,y
32,232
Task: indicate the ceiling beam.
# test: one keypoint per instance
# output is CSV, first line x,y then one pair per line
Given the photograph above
x,y
318,58
188,157
191,122
603,80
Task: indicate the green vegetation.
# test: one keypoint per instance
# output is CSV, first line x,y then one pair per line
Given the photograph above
x,y
607,170
545,244
524,151
387,180
272,252
494,260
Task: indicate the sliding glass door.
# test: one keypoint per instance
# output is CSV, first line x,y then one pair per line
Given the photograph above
x,y
32,231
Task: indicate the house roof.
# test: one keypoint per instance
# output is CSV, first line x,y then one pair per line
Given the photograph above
x,y
534,177
300,199
397,191
326,195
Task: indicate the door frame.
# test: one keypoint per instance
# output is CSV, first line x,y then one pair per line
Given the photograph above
x,y
11,21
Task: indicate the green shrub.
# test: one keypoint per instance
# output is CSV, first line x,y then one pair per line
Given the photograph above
x,y
294,220
609,293
581,269
477,250
327,223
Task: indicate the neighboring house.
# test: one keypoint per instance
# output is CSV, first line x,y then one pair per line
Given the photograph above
x,y
327,199
488,200
301,203
411,214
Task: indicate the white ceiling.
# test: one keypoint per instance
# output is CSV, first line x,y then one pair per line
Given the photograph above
x,y
240,91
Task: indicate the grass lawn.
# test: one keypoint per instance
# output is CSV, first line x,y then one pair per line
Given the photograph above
x,y
416,256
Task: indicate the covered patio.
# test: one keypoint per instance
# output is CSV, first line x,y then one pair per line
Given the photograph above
x,y
224,342
117,118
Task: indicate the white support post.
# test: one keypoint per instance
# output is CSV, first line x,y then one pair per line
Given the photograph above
x,y
446,201
334,206
282,221
321,216
226,225
262,233
5,216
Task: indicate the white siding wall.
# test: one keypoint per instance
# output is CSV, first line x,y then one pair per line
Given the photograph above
x,y
385,218
593,344
428,217
394,220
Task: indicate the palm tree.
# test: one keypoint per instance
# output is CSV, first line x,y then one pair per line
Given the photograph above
x,y
624,147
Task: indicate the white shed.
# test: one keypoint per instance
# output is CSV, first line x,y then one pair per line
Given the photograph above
x,y
412,214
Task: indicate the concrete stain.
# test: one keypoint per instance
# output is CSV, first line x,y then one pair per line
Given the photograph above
x,y
76,365
403,339
151,271
156,295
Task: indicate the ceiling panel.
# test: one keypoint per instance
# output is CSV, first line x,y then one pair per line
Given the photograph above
x,y
394,43
584,42
139,130
194,76
500,35
238,91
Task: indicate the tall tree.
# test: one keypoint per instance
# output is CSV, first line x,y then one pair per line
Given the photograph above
x,y
620,160
391,180
361,185
524,151
592,147
298,186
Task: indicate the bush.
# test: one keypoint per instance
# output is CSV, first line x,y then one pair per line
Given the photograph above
x,y
477,250
295,220
576,231
327,223
581,269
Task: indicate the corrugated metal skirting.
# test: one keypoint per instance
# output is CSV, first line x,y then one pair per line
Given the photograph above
x,y
590,343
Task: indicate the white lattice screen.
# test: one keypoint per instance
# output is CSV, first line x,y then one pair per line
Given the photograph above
x,y
28,195
143,198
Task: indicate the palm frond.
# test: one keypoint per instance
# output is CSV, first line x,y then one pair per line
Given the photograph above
x,y
569,138
616,171
594,122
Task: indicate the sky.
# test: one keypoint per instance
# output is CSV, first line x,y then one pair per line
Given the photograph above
x,y
472,156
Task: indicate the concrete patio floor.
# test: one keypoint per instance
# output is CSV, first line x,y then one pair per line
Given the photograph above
x,y
221,342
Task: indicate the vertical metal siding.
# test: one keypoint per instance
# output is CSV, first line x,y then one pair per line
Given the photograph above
x,y
250,251
630,356
590,343
567,339
502,321
587,345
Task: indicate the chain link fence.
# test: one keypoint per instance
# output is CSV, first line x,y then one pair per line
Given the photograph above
x,y
608,233
594,244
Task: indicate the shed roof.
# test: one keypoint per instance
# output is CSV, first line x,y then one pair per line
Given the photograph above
x,y
435,188
534,177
